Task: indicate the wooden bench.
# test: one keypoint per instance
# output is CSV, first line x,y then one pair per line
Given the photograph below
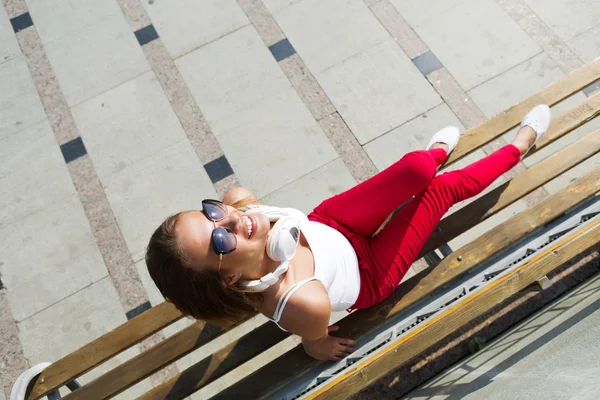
x,y
295,362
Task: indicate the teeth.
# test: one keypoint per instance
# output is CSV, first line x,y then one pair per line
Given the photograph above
x,y
249,225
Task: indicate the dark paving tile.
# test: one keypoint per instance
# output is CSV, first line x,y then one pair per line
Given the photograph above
x,y
282,50
138,310
73,150
218,169
21,22
427,63
146,35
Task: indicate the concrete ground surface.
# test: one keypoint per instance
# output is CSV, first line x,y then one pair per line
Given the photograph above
x,y
116,113
553,355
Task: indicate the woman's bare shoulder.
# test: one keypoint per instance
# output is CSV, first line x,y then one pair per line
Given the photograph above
x,y
307,311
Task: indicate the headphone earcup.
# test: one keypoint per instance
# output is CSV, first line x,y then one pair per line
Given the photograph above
x,y
283,239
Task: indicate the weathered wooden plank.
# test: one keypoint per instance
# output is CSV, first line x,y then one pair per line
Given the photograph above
x,y
570,120
458,315
509,192
500,123
164,353
218,364
95,353
295,362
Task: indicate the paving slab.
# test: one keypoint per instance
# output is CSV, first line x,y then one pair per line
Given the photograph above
x,y
89,44
42,219
274,143
21,105
412,135
516,84
490,41
154,295
551,355
34,176
425,10
377,90
47,256
232,74
326,32
276,5
568,18
145,193
127,124
587,45
9,47
260,121
190,24
72,322
310,190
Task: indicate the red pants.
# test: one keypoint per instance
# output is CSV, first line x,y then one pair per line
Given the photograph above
x,y
357,213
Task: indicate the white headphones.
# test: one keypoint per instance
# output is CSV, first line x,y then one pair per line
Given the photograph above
x,y
282,242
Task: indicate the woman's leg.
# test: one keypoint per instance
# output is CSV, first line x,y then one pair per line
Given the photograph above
x,y
365,207
397,246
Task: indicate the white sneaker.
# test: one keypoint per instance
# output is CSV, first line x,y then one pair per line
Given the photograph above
x,y
539,120
448,135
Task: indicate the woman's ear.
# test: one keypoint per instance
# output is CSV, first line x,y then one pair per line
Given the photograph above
x,y
230,279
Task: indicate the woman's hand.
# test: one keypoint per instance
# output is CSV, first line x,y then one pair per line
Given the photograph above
x,y
329,347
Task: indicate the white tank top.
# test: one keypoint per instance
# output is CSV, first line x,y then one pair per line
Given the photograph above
x,y
336,266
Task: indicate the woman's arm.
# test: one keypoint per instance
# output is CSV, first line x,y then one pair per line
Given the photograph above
x,y
307,315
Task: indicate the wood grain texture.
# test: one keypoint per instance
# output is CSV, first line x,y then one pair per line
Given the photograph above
x,y
506,120
95,353
295,363
218,364
440,326
134,370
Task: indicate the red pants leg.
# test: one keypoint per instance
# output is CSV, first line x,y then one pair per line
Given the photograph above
x,y
363,208
396,247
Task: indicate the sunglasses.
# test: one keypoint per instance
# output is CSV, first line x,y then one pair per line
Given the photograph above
x,y
223,240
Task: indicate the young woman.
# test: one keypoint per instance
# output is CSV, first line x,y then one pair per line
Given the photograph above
x,y
224,261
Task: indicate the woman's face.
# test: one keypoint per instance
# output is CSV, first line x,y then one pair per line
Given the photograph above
x,y
247,261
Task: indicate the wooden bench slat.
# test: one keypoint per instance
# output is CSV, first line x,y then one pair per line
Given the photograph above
x,y
136,369
197,376
569,120
458,315
95,353
218,364
295,363
500,123
509,192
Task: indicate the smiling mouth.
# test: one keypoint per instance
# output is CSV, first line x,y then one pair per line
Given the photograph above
x,y
249,225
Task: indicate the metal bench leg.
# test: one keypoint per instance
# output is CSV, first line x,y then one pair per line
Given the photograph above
x,y
446,250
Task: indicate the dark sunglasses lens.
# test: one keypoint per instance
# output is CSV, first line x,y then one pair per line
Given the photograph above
x,y
224,241
213,210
